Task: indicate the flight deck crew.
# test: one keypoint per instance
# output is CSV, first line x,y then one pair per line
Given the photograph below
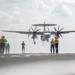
x,y
2,44
23,47
56,44
52,46
7,47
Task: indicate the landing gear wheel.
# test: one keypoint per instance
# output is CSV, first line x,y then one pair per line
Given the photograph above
x,y
34,42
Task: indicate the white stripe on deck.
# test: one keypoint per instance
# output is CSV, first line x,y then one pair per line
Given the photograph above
x,y
27,55
15,56
20,55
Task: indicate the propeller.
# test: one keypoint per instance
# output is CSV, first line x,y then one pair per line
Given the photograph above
x,y
58,32
34,30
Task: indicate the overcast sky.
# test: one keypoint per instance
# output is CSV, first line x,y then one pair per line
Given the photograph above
x,y
21,14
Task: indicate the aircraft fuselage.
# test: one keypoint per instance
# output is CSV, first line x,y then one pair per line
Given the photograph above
x,y
45,37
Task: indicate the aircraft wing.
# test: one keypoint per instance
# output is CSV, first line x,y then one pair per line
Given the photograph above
x,y
62,32
38,33
23,32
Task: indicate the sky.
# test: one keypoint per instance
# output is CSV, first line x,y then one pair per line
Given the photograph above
x,y
21,14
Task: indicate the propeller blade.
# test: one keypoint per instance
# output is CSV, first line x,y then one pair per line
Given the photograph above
x,y
61,29
28,34
58,28
32,29
55,29
36,36
37,30
61,35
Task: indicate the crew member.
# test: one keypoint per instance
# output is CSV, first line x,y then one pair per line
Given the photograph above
x,y
2,45
56,44
7,47
23,47
52,46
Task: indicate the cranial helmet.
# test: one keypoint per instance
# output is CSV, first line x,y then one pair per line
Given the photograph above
x,y
3,36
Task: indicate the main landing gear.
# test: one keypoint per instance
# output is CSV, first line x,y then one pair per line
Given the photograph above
x,y
34,42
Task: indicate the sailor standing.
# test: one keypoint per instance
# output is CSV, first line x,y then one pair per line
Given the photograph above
x,y
7,47
23,47
2,44
52,46
56,44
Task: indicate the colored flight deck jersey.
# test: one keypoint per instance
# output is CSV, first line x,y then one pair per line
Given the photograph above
x,y
52,42
56,41
3,40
